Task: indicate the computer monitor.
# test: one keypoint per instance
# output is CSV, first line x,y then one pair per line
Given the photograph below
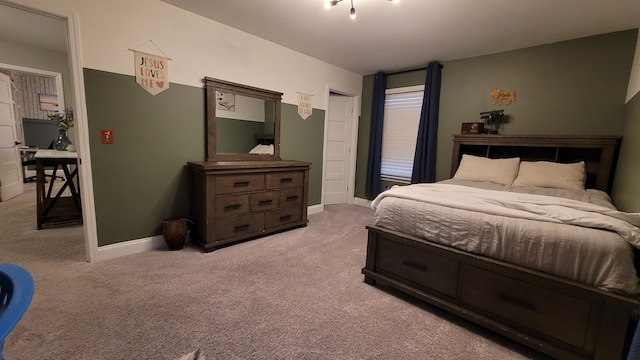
x,y
40,133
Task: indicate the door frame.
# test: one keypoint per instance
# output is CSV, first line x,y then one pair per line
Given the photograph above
x,y
350,176
59,87
56,75
74,53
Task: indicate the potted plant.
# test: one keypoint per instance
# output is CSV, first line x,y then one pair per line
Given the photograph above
x,y
65,122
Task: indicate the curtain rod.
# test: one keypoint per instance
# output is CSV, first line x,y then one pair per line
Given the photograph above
x,y
406,71
409,70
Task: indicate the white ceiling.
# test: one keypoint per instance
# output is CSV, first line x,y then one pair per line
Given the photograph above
x,y
388,36
28,28
384,36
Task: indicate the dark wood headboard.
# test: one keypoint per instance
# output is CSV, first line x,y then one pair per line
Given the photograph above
x,y
598,152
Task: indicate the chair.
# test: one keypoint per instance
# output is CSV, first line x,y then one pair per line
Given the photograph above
x,y
29,161
38,134
16,292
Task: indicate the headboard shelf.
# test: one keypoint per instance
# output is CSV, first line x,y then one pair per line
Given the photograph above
x,y
598,152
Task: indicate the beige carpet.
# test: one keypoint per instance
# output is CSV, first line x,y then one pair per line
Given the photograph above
x,y
294,295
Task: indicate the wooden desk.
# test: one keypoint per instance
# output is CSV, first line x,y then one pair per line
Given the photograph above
x,y
56,208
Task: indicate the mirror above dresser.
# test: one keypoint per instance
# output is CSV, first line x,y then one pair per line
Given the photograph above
x,y
244,190
243,122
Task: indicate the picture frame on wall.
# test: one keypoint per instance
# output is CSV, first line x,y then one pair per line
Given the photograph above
x,y
48,102
225,101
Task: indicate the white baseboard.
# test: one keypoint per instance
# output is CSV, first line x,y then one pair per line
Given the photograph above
x,y
315,209
157,242
131,247
362,202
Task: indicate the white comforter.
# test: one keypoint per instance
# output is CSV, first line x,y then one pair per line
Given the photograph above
x,y
556,235
522,206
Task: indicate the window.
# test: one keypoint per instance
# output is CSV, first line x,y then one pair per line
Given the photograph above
x,y
402,107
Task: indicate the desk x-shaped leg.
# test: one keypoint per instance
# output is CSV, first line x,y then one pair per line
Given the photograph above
x,y
69,176
57,208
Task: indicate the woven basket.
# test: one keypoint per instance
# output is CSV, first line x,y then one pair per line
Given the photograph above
x,y
174,231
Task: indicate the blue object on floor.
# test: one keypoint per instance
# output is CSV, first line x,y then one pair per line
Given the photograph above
x,y
16,292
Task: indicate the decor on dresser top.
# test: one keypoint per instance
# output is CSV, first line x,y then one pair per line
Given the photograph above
x,y
65,122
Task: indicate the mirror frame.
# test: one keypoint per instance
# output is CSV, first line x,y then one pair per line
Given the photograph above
x,y
212,85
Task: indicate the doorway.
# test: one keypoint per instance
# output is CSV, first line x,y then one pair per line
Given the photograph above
x,y
56,45
339,153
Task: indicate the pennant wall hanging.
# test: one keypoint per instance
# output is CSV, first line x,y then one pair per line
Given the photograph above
x,y
152,71
305,105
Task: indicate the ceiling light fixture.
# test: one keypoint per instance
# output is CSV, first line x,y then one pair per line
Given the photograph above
x,y
352,13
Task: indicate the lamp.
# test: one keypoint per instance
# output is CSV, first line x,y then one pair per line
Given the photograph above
x,y
352,13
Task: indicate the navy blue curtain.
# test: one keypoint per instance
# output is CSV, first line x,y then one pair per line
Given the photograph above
x,y
375,136
634,350
424,161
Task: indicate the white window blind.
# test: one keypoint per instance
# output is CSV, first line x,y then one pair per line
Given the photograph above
x,y
402,109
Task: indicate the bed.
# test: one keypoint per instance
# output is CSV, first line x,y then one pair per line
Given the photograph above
x,y
563,286
264,144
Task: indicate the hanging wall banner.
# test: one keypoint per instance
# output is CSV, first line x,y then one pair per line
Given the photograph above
x,y
305,105
152,72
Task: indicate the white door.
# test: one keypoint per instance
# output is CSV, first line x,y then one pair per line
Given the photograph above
x,y
11,184
337,161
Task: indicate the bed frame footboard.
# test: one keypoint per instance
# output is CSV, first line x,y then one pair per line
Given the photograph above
x,y
558,317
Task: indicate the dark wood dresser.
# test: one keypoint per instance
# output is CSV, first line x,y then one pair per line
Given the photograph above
x,y
238,200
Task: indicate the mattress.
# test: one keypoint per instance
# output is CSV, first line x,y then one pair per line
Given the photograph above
x,y
574,250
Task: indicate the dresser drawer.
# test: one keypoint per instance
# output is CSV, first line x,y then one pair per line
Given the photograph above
x,y
284,179
244,225
561,316
283,216
265,200
230,184
232,205
422,268
290,197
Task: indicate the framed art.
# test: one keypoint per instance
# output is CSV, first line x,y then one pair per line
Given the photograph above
x,y
48,102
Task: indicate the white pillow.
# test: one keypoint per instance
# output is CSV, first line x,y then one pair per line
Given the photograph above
x,y
262,150
477,168
551,175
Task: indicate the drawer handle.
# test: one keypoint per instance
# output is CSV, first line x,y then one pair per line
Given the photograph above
x,y
517,302
285,217
232,207
286,180
241,228
414,265
265,202
241,183
292,198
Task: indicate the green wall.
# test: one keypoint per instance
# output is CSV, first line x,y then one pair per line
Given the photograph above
x,y
570,87
304,140
240,135
142,178
625,185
